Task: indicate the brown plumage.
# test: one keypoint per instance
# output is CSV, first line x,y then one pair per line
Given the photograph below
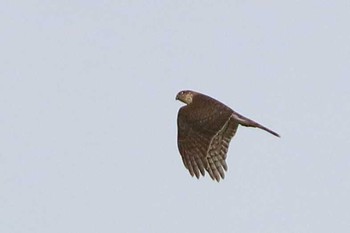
x,y
205,129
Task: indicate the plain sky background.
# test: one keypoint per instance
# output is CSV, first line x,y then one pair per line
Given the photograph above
x,y
88,115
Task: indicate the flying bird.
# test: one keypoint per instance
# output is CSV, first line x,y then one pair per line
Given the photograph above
x,y
205,129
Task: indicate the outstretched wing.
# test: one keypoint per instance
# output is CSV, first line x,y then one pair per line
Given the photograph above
x,y
217,151
204,133
192,146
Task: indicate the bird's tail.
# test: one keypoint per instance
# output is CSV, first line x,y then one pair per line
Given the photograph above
x,y
250,123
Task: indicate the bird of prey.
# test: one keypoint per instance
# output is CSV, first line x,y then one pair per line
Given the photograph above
x,y
205,129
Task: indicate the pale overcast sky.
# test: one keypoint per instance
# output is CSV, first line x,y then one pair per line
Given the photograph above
x,y
88,115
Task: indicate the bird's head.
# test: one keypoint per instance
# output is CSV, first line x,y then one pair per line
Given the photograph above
x,y
185,96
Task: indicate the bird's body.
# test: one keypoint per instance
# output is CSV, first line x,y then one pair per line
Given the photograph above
x,y
205,129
